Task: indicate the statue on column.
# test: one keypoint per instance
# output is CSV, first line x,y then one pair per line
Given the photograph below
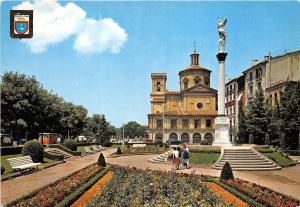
x,y
222,34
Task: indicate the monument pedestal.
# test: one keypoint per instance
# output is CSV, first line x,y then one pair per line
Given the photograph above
x,y
222,131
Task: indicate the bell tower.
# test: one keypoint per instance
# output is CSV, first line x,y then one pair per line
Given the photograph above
x,y
158,83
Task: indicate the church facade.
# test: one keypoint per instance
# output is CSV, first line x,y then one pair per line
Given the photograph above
x,y
186,115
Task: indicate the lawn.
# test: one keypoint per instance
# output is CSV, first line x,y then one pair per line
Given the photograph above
x,y
279,158
142,150
7,166
204,158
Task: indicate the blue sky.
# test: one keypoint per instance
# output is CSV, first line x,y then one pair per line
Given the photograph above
x,y
153,37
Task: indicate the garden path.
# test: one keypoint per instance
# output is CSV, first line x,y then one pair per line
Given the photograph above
x,y
286,180
17,187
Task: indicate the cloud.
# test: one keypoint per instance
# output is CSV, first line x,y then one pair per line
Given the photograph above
x,y
53,23
99,36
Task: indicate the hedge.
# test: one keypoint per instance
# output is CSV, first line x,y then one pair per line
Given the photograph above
x,y
53,156
76,194
30,194
10,150
238,194
59,146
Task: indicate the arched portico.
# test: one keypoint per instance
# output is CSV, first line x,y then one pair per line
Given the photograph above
x,y
209,138
196,138
173,137
185,138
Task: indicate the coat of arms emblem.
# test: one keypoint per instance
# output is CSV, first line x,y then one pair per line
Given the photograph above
x,y
21,23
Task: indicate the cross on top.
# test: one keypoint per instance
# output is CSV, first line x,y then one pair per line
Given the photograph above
x,y
195,46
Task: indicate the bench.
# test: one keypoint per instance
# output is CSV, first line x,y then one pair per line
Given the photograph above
x,y
95,148
88,150
21,163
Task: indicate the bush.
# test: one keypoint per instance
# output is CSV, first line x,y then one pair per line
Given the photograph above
x,y
54,156
119,151
2,170
35,150
11,150
128,146
226,173
70,144
101,160
204,142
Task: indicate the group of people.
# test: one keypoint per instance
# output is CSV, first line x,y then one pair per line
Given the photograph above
x,y
180,157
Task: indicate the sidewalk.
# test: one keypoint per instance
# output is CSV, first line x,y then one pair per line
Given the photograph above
x,y
17,187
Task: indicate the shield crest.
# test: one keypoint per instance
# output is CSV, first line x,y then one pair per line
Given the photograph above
x,y
21,27
21,23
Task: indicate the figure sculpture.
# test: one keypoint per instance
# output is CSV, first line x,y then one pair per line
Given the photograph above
x,y
222,34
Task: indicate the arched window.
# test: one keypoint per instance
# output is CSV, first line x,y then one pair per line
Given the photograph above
x,y
196,138
206,81
173,137
209,138
197,80
185,138
185,83
158,137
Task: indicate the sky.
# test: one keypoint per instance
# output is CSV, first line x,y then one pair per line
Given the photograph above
x,y
101,54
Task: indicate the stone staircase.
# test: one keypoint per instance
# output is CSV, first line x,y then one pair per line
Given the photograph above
x,y
56,151
244,159
160,158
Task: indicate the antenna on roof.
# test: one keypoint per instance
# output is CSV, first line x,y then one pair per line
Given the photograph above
x,y
195,50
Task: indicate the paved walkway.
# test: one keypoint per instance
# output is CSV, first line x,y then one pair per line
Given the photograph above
x,y
16,187
286,180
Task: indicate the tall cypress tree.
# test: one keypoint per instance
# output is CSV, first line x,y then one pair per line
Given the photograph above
x,y
257,120
242,134
290,113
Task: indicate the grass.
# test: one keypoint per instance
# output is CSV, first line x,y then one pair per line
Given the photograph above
x,y
8,169
204,158
279,158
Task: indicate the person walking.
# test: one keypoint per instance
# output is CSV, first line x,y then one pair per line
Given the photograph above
x,y
179,161
174,155
185,157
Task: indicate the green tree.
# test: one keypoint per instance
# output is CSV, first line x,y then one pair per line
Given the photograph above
x,y
133,129
99,128
290,113
275,124
257,120
242,134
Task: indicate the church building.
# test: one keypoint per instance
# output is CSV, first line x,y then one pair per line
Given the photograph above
x,y
186,115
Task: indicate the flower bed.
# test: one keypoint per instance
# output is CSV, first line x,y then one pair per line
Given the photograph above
x,y
130,187
146,150
261,194
53,193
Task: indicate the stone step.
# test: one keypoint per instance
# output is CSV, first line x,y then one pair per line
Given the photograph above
x,y
245,161
242,153
239,165
252,169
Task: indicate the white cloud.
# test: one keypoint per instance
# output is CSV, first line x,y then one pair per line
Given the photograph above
x,y
99,36
54,23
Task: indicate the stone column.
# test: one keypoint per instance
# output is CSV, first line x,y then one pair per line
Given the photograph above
x,y
222,137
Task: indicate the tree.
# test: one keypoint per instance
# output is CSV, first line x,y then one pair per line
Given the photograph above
x,y
133,129
242,135
275,124
290,113
257,120
99,128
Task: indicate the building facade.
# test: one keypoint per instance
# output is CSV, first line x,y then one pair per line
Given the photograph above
x,y
186,115
271,74
234,97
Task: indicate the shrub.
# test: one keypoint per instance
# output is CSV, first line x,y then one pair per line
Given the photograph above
x,y
128,146
35,150
54,156
226,173
2,170
119,151
11,150
70,144
204,142
101,160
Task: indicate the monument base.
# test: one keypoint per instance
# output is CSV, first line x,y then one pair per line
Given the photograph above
x,y
222,126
